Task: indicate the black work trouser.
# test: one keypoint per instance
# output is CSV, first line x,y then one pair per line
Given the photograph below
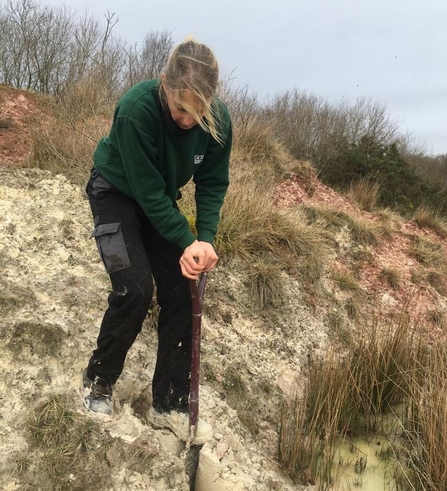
x,y
134,254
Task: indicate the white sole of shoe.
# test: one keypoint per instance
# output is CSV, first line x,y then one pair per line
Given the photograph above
x,y
180,428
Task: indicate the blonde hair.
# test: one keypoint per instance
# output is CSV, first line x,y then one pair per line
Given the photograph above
x,y
193,67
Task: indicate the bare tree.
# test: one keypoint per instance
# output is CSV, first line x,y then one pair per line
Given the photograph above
x,y
16,66
155,53
45,50
108,59
34,45
148,62
313,128
86,36
49,50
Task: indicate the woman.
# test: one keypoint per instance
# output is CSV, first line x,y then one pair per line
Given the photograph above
x,y
164,132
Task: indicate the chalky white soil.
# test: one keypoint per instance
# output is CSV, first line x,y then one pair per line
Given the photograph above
x,y
53,291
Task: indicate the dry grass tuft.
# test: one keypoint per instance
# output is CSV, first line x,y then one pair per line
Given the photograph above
x,y
364,193
251,226
437,280
265,283
5,123
65,446
62,149
427,218
439,318
428,253
366,232
392,277
362,231
65,144
345,280
255,146
354,305
53,425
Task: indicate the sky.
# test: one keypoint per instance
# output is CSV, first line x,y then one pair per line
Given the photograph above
x,y
391,51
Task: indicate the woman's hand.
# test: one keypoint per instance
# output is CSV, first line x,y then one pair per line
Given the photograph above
x,y
210,256
197,258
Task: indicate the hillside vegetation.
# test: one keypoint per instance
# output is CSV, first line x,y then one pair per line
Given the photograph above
x,y
324,320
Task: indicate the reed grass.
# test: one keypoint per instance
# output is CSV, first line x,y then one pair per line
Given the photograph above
x,y
347,393
424,429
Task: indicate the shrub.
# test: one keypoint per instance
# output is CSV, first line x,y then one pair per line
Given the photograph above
x,y
400,186
313,129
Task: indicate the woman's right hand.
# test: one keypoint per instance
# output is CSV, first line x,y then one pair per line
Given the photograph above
x,y
193,260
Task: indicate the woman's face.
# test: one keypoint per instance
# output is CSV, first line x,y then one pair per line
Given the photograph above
x,y
179,114
178,106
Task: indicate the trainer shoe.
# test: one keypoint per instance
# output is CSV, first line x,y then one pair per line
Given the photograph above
x,y
179,424
97,396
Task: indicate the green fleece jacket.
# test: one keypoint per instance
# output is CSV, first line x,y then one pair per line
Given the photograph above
x,y
149,158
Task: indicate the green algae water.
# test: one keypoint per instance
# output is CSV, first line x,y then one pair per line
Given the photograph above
x,y
366,465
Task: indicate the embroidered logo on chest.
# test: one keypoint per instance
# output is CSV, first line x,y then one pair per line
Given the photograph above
x,y
198,159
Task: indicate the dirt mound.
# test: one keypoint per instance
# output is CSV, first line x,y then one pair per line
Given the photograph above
x,y
20,111
394,252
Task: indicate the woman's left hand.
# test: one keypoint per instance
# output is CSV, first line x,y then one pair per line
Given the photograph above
x,y
197,258
210,256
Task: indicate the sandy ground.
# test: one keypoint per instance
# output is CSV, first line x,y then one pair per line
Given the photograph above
x,y
53,292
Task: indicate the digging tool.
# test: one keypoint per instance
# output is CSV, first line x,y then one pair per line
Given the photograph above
x,y
192,451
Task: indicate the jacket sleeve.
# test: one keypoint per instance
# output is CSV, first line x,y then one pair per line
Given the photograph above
x,y
211,182
138,151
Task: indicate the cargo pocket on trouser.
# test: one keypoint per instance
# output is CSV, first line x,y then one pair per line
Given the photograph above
x,y
111,246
